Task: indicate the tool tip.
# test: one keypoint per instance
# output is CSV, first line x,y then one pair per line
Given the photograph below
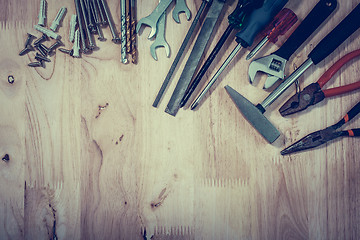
x,y
194,105
249,56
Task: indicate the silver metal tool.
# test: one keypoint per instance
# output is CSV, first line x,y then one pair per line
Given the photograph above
x,y
154,17
274,64
123,32
179,8
160,40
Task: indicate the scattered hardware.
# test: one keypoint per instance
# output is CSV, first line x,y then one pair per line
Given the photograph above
x,y
59,17
318,138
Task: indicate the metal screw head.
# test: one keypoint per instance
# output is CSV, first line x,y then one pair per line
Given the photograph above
x,y
67,51
11,79
27,49
6,158
29,39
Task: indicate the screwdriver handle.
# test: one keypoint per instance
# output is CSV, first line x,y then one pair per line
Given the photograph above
x,y
282,22
337,36
243,9
257,20
312,21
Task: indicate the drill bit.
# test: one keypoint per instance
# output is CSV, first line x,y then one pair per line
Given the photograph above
x,y
133,31
123,32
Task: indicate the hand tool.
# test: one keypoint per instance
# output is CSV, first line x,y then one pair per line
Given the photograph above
x,y
195,55
282,22
154,17
123,32
180,7
180,52
133,32
236,20
318,138
258,19
254,114
160,38
274,64
312,94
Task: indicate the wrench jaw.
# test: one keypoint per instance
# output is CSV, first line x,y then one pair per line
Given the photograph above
x,y
149,23
154,46
176,12
272,65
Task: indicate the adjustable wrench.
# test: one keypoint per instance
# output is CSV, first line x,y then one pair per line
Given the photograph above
x,y
160,38
154,17
179,8
274,64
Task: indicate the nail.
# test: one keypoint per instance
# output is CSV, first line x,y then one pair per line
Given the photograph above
x,y
114,34
67,51
42,51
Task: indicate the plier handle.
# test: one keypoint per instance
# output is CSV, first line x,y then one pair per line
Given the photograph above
x,y
323,136
312,94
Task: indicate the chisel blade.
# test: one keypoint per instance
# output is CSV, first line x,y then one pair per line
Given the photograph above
x,y
254,116
195,56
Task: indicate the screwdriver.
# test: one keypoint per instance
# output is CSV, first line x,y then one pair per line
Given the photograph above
x,y
236,20
258,19
282,22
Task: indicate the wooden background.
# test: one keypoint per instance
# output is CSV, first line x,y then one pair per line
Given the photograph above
x,y
79,171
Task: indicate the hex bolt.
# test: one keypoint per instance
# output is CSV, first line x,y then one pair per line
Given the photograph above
x,y
48,32
114,34
40,58
84,47
43,38
73,22
67,51
42,13
36,64
11,79
91,42
54,46
29,39
76,46
59,17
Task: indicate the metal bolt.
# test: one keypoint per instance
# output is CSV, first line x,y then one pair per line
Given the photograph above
x,y
48,32
36,64
58,19
54,46
42,13
11,79
72,27
40,58
29,39
67,51
43,38
114,34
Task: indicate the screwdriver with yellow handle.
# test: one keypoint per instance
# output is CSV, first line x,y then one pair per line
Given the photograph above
x,y
257,20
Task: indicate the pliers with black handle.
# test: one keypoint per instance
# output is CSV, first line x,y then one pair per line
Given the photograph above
x,y
323,136
312,94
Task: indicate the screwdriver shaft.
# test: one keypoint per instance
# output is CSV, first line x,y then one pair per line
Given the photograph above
x,y
257,48
179,54
215,77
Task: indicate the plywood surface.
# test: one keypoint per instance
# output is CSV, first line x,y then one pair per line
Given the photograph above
x,y
90,158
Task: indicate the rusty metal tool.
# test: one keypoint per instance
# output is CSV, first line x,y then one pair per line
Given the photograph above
x,y
254,114
321,137
274,64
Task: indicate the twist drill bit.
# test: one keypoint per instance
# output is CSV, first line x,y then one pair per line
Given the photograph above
x,y
133,32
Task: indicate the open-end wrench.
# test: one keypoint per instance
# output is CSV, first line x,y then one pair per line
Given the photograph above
x,y
154,17
160,38
179,8
274,64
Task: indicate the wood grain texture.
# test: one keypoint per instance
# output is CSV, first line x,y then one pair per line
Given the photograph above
x,y
90,158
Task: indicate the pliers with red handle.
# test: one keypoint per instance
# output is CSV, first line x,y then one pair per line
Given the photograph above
x,y
312,94
320,137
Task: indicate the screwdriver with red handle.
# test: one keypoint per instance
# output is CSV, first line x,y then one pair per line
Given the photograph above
x,y
282,22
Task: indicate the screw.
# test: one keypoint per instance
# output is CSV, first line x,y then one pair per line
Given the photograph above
x,y
91,42
58,19
40,58
6,158
42,13
73,22
102,18
84,48
43,38
27,49
95,12
29,39
67,51
114,34
48,32
54,46
36,64
11,79
40,48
